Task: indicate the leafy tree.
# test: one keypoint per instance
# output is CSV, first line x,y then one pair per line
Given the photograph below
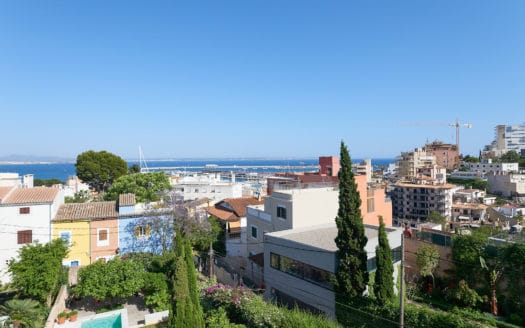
x,y
46,182
100,169
470,183
351,271
384,282
471,159
510,157
437,218
22,313
37,273
156,293
427,260
466,251
80,197
116,278
133,169
465,296
147,187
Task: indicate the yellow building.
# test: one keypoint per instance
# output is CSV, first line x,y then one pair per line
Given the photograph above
x,y
76,232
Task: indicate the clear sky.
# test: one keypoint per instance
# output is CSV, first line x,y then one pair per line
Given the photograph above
x,y
254,78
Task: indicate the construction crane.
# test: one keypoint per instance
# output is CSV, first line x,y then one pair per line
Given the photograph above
x,y
457,124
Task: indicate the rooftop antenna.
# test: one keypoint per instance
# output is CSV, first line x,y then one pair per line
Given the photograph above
x,y
142,162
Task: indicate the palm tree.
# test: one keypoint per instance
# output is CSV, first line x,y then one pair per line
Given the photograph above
x,y
22,313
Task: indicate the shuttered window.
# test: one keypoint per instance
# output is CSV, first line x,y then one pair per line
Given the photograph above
x,y
24,210
142,231
25,236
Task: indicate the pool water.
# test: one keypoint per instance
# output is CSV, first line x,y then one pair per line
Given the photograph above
x,y
114,321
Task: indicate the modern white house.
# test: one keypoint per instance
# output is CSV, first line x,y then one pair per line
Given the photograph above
x,y
510,185
25,218
207,185
300,264
487,166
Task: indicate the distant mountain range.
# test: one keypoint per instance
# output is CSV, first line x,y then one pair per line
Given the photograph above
x,y
34,159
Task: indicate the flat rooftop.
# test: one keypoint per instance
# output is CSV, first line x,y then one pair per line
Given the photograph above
x,y
321,236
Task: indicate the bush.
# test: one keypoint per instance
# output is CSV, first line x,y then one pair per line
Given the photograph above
x,y
156,295
244,307
465,296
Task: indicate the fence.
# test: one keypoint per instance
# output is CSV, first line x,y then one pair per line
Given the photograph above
x,y
58,306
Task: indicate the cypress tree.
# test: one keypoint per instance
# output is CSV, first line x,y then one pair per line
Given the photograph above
x,y
351,271
384,282
183,307
198,315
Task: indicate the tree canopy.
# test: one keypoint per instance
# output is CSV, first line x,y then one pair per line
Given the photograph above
x,y
100,169
427,260
351,271
147,187
116,278
37,273
510,157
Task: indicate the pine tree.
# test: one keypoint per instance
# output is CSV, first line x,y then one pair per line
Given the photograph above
x,y
198,315
351,272
384,283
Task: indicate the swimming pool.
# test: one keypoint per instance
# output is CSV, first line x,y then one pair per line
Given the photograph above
x,y
115,321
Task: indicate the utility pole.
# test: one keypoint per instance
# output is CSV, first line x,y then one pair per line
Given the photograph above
x,y
402,284
211,254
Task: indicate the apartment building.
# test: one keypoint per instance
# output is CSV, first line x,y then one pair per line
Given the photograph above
x,y
303,207
300,264
507,138
208,185
413,201
486,166
510,185
447,155
25,218
409,162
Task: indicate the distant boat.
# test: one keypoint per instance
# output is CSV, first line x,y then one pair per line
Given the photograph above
x,y
211,165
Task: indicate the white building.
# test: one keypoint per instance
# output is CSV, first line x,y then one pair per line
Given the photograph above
x,y
300,264
510,185
15,180
487,166
409,162
25,217
206,186
507,138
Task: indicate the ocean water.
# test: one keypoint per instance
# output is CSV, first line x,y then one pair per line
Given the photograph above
x,y
61,171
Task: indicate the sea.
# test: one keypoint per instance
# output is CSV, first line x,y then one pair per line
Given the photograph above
x,y
62,171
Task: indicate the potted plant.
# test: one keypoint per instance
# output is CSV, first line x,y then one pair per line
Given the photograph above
x,y
73,315
61,317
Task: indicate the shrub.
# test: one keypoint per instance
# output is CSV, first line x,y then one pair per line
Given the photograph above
x,y
156,295
465,296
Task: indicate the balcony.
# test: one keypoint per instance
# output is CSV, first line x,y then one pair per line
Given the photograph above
x,y
259,214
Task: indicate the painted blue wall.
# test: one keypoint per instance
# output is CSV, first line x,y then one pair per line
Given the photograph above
x,y
130,243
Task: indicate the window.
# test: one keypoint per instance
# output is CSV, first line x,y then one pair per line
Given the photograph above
x,y
370,205
142,231
24,210
302,270
25,236
281,212
254,232
65,236
103,237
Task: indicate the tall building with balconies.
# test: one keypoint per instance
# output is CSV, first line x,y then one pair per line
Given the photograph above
x,y
507,138
410,161
412,202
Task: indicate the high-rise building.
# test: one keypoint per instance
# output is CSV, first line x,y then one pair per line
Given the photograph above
x,y
507,138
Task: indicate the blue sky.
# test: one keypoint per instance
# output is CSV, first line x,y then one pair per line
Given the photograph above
x,y
256,78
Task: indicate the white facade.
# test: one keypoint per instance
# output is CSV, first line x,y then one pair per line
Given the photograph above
x,y
487,166
299,264
507,138
15,180
27,220
409,162
288,209
508,185
206,186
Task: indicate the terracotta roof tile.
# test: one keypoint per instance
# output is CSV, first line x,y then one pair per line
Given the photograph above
x,y
221,214
231,209
126,200
4,191
31,195
84,211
